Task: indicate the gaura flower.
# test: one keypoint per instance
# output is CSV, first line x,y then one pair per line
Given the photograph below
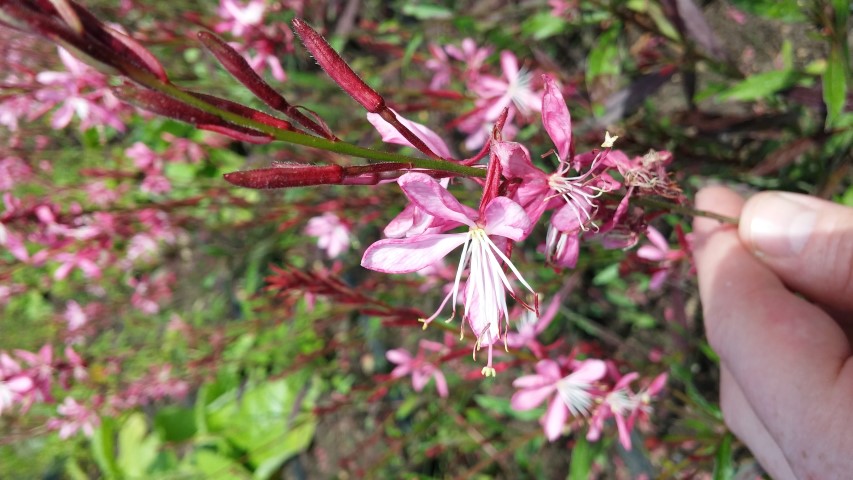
x,y
487,285
572,394
419,367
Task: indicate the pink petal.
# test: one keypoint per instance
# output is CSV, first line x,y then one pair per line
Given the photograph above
x,y
419,380
589,371
406,255
532,381
556,118
657,239
657,384
549,369
506,219
509,64
391,135
624,432
555,418
649,252
515,161
567,218
441,384
530,398
398,356
427,193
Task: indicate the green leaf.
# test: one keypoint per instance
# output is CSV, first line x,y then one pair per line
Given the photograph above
x,y
582,457
502,406
835,84
427,12
543,25
266,422
175,424
213,465
759,86
604,57
606,275
724,467
103,448
136,449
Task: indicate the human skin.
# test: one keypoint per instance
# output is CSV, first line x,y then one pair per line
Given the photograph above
x,y
777,296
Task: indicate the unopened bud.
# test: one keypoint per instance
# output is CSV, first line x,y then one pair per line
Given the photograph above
x,y
337,68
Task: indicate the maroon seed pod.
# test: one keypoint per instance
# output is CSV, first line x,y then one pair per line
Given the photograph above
x,y
337,68
245,111
285,176
167,106
240,69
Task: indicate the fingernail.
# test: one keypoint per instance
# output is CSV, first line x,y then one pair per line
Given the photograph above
x,y
779,224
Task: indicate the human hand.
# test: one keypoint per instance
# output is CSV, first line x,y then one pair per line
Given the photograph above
x,y
786,386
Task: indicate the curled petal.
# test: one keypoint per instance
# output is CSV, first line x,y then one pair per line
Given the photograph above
x,y
406,255
425,192
506,218
392,135
556,118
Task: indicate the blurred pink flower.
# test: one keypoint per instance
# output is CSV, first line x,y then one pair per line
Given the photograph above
x,y
487,285
530,327
623,406
659,251
512,90
572,394
471,56
13,171
440,65
79,90
333,234
418,367
14,385
74,417
149,292
238,18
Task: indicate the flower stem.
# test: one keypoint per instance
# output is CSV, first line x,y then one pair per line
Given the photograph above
x,y
149,81
683,210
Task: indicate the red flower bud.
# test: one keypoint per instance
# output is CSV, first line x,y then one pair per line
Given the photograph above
x,y
337,68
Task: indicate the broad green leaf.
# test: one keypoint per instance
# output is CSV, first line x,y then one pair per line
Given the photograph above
x,y
604,57
582,457
174,423
759,86
787,10
265,421
543,25
212,465
835,84
136,449
103,448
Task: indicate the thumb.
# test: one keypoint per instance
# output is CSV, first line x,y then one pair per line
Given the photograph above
x,y
806,241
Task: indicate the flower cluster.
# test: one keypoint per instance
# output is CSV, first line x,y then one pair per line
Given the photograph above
x,y
585,389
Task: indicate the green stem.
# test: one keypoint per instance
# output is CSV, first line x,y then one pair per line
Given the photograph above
x,y
681,209
149,81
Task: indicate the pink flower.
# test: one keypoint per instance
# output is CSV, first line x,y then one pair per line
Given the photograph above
x,y
512,91
13,171
333,235
530,327
472,56
74,418
624,407
572,393
413,220
539,191
440,66
487,284
240,18
418,366
14,385
659,251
